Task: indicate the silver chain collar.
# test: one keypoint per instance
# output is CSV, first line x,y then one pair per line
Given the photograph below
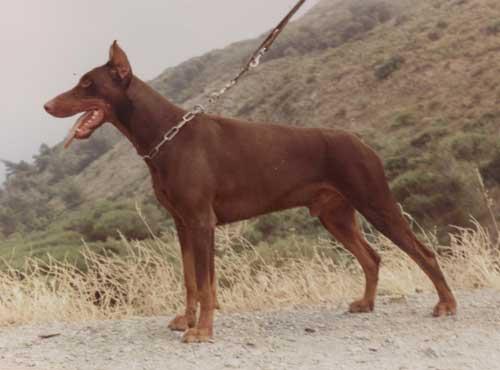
x,y
199,109
170,134
254,62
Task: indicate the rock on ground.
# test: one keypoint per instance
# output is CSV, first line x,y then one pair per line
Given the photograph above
x,y
400,335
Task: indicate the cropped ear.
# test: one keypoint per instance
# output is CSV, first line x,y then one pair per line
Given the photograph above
x,y
119,61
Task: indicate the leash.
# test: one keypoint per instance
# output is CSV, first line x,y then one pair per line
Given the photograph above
x,y
252,63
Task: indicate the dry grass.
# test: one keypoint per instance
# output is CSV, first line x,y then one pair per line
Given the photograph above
x,y
149,282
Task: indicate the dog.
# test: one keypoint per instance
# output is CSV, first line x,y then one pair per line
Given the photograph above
x,y
220,170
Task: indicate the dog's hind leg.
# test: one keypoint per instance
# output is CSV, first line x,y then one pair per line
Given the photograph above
x,y
388,219
340,221
365,186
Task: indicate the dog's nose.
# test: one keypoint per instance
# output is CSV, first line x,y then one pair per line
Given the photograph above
x,y
49,107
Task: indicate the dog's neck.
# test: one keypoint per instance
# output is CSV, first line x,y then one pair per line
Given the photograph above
x,y
147,116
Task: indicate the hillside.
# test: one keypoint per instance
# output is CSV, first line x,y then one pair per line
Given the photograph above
x,y
419,81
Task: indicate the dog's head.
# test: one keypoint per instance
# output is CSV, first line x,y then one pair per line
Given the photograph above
x,y
99,95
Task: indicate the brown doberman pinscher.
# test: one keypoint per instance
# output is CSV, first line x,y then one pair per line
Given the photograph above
x,y
220,170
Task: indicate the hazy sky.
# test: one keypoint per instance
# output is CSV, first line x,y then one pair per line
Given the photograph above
x,y
45,45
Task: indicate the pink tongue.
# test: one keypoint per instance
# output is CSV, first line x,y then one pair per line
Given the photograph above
x,y
79,129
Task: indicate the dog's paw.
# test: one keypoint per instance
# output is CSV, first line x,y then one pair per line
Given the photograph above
x,y
446,308
195,335
361,306
180,323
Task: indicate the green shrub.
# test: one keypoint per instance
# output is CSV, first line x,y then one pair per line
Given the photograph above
x,y
470,146
351,31
42,159
70,193
491,170
395,166
493,28
8,221
421,140
106,219
422,182
443,192
126,222
487,123
428,136
442,25
385,69
275,226
404,119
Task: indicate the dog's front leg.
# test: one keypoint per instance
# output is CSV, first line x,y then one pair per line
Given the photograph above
x,y
201,234
188,319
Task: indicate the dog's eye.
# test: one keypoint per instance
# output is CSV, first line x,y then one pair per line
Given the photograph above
x,y
86,83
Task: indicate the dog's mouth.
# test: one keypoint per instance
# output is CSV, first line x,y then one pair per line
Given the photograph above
x,y
85,125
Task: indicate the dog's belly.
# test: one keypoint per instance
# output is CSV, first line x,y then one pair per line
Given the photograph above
x,y
251,204
243,209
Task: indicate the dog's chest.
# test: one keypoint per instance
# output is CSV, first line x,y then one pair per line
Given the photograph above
x,y
162,194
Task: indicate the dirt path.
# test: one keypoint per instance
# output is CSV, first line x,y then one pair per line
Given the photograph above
x,y
400,335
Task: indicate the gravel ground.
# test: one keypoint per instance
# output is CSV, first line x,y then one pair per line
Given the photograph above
x,y
400,335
